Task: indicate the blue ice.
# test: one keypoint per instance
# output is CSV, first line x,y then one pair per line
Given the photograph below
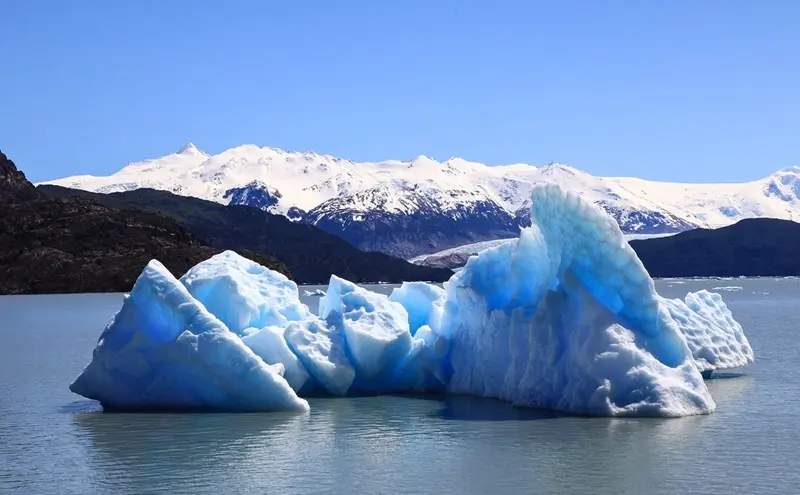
x,y
164,350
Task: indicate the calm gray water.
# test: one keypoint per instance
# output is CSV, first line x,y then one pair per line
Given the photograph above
x,y
52,441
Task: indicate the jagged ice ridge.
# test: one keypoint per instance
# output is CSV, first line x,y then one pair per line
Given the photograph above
x,y
565,317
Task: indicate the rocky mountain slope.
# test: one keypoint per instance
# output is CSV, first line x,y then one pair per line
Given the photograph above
x,y
408,208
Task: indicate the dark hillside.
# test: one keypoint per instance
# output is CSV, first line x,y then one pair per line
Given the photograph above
x,y
73,244
310,254
758,247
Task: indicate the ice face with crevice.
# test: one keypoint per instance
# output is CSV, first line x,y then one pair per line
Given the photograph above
x,y
376,331
423,302
269,344
599,367
585,243
565,351
322,351
565,317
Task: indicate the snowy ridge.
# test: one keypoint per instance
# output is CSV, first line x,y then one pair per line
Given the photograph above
x,y
338,193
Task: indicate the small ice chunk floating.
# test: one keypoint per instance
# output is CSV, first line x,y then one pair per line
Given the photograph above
x,y
565,317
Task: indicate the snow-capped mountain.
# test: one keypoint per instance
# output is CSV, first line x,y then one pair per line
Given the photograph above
x,y
399,217
408,208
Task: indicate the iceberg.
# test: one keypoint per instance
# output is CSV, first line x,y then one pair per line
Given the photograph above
x,y
164,350
565,317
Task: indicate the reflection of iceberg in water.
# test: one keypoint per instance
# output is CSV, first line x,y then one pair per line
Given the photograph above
x,y
144,450
469,408
563,318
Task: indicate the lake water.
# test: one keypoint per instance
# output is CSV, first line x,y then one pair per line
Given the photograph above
x,y
52,441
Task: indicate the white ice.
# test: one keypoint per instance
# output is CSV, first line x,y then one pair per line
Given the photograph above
x,y
423,302
564,318
715,339
376,330
270,345
322,351
244,294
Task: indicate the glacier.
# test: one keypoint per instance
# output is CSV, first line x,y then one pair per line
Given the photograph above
x,y
565,317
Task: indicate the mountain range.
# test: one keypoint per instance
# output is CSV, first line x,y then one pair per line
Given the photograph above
x,y
421,206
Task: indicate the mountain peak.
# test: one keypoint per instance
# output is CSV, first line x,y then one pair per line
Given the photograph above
x,y
794,169
13,183
556,167
188,149
784,175
422,160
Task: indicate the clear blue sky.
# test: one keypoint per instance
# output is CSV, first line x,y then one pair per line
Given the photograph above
x,y
672,90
